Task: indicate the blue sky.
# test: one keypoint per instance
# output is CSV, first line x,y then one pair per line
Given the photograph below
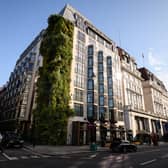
x,y
138,26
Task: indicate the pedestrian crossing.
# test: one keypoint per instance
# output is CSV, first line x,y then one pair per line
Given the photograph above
x,y
23,157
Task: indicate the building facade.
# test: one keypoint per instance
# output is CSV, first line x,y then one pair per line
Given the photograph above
x,y
19,93
145,99
134,109
96,94
156,99
109,94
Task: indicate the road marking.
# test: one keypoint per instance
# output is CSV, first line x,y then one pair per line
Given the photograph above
x,y
147,162
46,156
33,152
164,156
65,157
8,157
24,157
93,156
34,156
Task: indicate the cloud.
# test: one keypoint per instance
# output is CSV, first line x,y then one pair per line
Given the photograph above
x,y
159,65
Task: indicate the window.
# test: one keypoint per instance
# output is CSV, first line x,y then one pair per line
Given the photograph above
x,y
100,56
78,108
90,50
90,84
90,97
120,116
101,88
81,36
90,72
79,68
91,33
100,40
79,81
101,78
101,113
101,100
101,109
78,95
109,81
100,67
110,102
109,71
90,61
109,60
90,110
110,91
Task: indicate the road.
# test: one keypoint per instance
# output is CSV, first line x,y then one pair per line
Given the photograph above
x,y
153,157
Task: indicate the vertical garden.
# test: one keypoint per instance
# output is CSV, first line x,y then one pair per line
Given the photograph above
x,y
53,86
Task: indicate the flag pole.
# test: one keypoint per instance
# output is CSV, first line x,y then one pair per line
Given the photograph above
x,y
143,63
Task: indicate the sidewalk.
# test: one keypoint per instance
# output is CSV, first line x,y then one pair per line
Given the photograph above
x,y
64,150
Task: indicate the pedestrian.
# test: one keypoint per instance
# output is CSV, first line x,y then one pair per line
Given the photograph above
x,y
155,139
1,148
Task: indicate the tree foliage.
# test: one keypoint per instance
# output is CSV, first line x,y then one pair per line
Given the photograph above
x,y
53,87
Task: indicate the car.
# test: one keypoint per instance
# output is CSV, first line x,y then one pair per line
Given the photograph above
x,y
124,146
11,139
142,138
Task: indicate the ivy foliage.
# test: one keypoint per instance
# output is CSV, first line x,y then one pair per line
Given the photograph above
x,y
53,86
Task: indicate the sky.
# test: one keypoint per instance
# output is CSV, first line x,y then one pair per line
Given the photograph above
x,y
138,26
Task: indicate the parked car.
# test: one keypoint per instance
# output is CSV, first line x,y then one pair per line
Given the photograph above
x,y
119,145
11,139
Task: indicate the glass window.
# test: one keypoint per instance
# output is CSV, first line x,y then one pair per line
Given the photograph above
x,y
101,79
81,36
110,102
109,81
100,40
90,97
109,71
109,62
101,88
90,84
79,81
101,112
78,108
110,91
120,116
78,95
91,33
90,72
90,110
101,100
100,56
90,50
100,67
90,61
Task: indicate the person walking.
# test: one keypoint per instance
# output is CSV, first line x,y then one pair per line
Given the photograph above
x,y
1,148
155,139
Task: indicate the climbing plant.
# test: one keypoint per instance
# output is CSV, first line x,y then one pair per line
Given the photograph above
x,y
53,86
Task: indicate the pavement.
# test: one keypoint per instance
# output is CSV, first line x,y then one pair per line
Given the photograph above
x,y
63,150
68,149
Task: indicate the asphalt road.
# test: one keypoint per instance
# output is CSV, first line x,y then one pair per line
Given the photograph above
x,y
153,157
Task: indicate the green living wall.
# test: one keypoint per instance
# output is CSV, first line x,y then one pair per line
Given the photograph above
x,y
53,87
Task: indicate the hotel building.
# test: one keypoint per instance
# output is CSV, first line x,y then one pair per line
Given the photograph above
x,y
108,93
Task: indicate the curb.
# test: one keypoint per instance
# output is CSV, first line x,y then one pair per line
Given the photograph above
x,y
66,153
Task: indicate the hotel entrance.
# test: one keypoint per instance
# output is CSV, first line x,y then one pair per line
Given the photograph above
x,y
78,133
